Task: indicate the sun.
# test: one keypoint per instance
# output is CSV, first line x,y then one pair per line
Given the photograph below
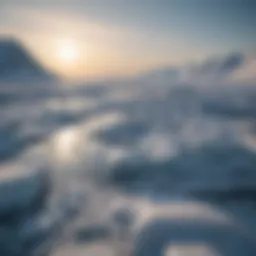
x,y
68,52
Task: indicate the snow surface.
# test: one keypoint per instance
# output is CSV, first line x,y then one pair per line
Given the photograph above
x,y
173,154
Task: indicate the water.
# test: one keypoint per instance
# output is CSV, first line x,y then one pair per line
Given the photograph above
x,y
74,156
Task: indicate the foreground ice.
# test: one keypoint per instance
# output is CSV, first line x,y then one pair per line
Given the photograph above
x,y
77,155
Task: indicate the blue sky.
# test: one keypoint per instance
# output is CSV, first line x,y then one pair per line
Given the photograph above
x,y
157,32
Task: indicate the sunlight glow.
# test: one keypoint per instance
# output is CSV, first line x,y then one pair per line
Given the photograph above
x,y
68,52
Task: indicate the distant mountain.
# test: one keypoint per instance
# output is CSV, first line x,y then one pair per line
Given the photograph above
x,y
168,73
215,68
159,75
222,65
17,63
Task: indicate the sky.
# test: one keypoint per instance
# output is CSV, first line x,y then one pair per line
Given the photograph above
x,y
123,37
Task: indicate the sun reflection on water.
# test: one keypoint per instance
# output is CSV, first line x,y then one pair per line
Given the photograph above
x,y
65,145
76,143
191,249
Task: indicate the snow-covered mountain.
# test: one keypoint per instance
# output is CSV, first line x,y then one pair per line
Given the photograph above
x,y
17,63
